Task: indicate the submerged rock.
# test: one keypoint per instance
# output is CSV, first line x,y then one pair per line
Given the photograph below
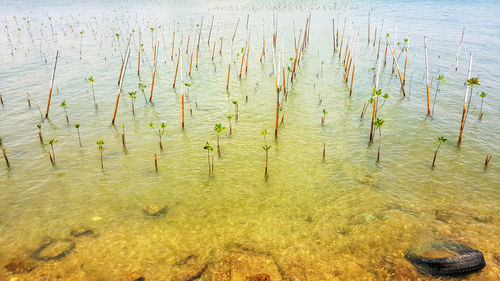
x,y
368,179
154,210
81,231
54,250
20,265
259,277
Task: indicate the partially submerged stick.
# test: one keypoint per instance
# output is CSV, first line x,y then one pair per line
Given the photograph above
x,y
120,88
427,76
459,47
462,123
52,84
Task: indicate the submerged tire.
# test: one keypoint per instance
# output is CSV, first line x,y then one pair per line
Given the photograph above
x,y
66,246
466,261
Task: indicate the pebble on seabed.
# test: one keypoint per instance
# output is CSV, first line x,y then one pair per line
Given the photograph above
x,y
81,231
155,210
20,265
368,179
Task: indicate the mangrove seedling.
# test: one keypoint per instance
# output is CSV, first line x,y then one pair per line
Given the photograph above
x,y
4,153
229,117
378,124
264,133
161,131
53,156
323,118
266,148
440,79
439,141
91,81
482,95
142,87
219,129
100,146
63,105
471,82
209,148
133,96
235,102
123,137
77,126
39,126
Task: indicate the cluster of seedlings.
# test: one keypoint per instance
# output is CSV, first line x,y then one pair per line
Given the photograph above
x,y
346,48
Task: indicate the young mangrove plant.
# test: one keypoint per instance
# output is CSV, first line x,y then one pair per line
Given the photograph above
x,y
142,87
133,96
482,95
323,118
266,149
235,102
440,79
229,117
77,126
218,130
264,133
160,132
39,126
52,156
378,124
4,153
209,148
123,138
64,106
100,146
91,81
439,141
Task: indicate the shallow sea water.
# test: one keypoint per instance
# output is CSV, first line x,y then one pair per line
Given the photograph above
x,y
344,218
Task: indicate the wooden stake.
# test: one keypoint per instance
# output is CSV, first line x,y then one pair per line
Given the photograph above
x,y
156,163
154,72
228,72
427,76
51,85
173,42
352,79
177,67
462,123
488,158
459,47
127,55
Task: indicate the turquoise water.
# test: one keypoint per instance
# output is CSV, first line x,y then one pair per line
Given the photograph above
x,y
344,218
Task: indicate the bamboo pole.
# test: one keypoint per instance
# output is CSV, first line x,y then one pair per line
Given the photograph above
x,y
127,55
213,52
123,61
427,76
176,67
173,42
139,62
190,63
248,53
228,72
352,79
333,30
368,28
52,84
182,90
156,163
374,101
198,45
406,61
462,123
263,46
397,67
459,47
154,72
210,33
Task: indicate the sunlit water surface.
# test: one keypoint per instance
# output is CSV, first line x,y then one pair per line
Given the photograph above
x,y
344,218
